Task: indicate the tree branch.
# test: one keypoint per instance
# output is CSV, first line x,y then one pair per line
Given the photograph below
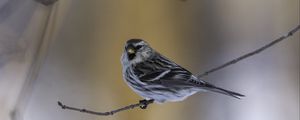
x,y
290,33
144,103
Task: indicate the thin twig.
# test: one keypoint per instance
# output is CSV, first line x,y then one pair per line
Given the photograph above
x,y
290,33
142,104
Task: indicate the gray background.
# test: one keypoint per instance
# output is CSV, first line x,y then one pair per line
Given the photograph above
x,y
70,51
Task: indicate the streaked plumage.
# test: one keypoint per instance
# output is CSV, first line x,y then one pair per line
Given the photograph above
x,y
154,76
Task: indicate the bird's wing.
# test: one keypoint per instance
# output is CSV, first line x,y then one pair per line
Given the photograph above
x,y
154,75
172,78
161,70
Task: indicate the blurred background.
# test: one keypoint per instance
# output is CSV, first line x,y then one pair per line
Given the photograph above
x,y
70,51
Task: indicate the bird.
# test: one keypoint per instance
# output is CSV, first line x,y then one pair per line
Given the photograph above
x,y
155,77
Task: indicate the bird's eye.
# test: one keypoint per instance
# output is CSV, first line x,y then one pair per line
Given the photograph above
x,y
138,47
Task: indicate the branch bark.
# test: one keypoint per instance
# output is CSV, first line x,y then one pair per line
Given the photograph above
x,y
142,104
290,33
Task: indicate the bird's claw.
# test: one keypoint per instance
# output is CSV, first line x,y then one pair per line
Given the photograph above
x,y
144,103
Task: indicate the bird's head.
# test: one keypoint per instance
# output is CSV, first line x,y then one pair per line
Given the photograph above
x,y
136,51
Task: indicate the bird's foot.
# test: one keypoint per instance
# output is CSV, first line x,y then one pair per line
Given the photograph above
x,y
145,103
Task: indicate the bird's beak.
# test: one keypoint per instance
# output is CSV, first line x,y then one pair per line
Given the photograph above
x,y
131,51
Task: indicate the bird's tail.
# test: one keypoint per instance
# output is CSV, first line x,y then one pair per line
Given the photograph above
x,y
223,91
